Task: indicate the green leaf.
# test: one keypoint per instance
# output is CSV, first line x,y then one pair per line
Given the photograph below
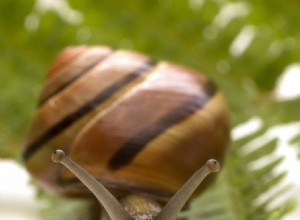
x,y
191,32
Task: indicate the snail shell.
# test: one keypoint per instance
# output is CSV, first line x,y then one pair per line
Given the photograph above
x,y
135,124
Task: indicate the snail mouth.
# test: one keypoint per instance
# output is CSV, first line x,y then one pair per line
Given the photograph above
x,y
73,187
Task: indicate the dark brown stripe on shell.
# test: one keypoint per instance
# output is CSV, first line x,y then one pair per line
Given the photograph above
x,y
131,148
89,106
72,80
113,186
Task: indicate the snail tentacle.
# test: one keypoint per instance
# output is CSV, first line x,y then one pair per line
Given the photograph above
x,y
176,203
112,206
138,129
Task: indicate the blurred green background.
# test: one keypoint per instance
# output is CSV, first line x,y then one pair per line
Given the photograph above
x,y
244,46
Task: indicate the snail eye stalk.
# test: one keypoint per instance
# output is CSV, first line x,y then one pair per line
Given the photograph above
x,y
114,208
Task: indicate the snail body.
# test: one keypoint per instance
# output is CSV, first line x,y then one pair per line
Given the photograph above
x,y
136,125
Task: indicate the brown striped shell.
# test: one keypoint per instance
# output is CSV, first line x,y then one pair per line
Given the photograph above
x,y
135,124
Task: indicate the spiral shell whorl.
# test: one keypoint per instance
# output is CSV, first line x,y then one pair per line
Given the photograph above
x,y
121,115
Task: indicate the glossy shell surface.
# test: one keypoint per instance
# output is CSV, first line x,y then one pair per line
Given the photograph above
x,y
135,124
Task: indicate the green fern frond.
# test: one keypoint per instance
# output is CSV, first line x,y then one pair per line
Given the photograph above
x,y
180,31
242,189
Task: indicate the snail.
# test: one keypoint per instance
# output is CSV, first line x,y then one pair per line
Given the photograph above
x,y
130,128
